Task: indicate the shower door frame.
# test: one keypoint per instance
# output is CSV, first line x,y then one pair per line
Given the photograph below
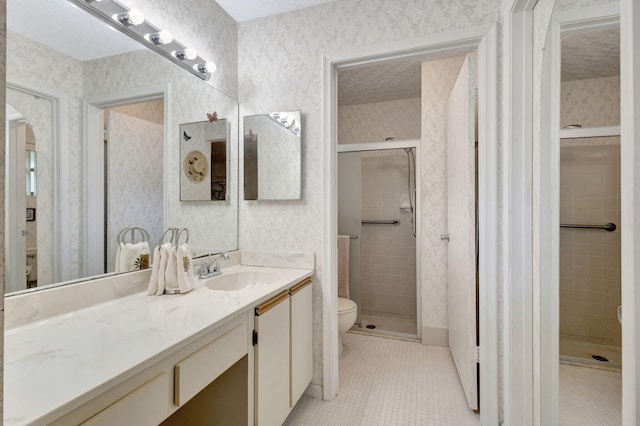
x,y
390,145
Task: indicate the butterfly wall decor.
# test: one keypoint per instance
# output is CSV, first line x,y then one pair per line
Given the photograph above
x,y
212,117
185,136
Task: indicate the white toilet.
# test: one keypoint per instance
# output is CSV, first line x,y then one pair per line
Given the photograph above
x,y
347,314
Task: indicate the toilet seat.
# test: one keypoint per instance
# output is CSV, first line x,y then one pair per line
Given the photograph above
x,y
346,306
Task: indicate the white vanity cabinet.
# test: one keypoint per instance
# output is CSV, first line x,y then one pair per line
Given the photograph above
x,y
301,339
162,392
283,353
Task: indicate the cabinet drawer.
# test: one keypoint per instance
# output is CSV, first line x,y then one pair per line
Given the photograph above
x,y
143,406
201,368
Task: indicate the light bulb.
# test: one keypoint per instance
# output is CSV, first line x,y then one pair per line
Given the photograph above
x,y
132,17
207,67
187,53
161,37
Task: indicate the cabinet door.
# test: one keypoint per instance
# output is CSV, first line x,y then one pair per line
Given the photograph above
x,y
272,361
301,340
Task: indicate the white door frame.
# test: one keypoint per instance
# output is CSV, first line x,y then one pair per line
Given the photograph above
x,y
93,168
547,216
630,192
484,39
60,185
401,144
516,243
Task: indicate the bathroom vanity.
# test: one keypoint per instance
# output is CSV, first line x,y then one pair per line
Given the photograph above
x,y
214,354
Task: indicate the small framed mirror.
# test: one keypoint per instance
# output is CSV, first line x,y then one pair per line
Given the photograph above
x,y
204,156
272,156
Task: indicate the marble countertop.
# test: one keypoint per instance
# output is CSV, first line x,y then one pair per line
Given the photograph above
x,y
55,365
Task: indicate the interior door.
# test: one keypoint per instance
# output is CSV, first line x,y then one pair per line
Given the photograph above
x,y
93,253
461,193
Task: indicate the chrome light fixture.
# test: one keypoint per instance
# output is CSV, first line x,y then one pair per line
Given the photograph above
x,y
132,23
132,17
161,37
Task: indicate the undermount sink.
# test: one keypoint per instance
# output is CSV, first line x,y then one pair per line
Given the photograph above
x,y
242,280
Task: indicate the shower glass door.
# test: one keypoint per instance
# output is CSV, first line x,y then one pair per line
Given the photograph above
x,y
376,208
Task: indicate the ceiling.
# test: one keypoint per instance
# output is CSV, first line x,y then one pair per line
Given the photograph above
x,y
247,10
90,39
591,54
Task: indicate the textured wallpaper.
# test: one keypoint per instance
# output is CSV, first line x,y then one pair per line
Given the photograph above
x,y
591,103
279,68
375,122
134,196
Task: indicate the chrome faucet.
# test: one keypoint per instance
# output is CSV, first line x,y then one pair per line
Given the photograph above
x,y
211,268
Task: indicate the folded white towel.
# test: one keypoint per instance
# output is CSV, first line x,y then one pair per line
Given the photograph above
x,y
118,254
184,268
133,257
171,270
343,266
152,288
165,250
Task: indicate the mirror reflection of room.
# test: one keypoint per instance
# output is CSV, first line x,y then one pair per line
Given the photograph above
x,y
95,101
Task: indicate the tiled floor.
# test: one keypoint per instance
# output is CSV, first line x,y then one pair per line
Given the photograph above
x,y
389,323
390,382
589,397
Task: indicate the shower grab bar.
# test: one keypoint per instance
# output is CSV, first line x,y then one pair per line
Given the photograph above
x,y
609,227
394,222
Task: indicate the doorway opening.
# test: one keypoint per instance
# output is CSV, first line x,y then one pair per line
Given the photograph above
x,y
125,151
485,42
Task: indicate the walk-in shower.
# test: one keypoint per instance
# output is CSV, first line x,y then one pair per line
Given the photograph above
x,y
590,272
377,207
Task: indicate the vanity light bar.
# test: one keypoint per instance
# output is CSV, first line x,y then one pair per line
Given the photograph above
x,y
132,23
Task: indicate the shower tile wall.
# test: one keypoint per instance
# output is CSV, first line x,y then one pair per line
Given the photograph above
x,y
590,193
388,252
590,259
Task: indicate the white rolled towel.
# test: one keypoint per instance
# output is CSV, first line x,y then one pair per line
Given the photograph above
x,y
133,257
171,270
184,268
153,287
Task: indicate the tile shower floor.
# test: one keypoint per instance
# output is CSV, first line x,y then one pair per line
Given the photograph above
x,y
580,349
390,382
388,323
589,397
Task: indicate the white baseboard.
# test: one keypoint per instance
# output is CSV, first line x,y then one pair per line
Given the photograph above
x,y
435,336
313,391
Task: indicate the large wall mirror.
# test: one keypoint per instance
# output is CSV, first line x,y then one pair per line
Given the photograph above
x,y
272,156
93,122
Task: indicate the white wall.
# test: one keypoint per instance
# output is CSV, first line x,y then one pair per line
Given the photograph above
x,y
279,63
